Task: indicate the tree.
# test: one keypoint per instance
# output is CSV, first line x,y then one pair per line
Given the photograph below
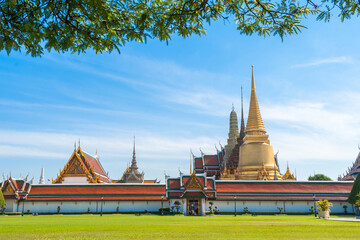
x,y
2,202
353,196
105,25
177,205
319,177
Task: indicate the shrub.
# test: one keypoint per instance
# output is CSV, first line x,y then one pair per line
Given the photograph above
x,y
216,210
58,209
246,210
117,209
345,209
323,205
177,206
312,209
165,210
211,207
280,209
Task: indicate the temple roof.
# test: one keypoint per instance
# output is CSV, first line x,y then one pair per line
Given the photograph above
x,y
131,174
84,164
352,171
254,121
249,190
97,191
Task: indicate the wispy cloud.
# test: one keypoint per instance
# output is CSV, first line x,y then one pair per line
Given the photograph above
x,y
318,62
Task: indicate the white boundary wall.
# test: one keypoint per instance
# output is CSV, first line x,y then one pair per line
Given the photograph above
x,y
272,206
153,206
88,206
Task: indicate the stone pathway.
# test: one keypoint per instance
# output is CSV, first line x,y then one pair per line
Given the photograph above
x,y
343,219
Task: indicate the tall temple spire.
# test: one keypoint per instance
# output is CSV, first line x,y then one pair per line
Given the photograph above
x,y
190,163
256,153
133,161
254,125
42,177
242,125
233,133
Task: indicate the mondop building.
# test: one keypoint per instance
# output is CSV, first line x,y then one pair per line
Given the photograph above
x,y
243,175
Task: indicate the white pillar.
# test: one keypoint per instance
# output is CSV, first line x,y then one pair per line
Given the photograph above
x,y
202,207
185,207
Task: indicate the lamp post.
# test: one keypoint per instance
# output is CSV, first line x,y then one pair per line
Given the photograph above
x,y
102,198
314,205
235,205
162,205
22,212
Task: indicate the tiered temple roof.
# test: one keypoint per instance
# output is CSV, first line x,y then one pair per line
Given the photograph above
x,y
352,171
132,174
15,188
209,164
83,164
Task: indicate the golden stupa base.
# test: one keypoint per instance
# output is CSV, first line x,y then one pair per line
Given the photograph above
x,y
258,173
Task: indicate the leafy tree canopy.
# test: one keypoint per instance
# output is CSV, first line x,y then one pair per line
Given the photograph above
x,y
319,177
105,25
2,202
354,194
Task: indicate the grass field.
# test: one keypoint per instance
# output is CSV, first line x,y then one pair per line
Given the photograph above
x,y
174,227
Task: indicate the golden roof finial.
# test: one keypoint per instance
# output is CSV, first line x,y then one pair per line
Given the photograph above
x,y
79,142
254,124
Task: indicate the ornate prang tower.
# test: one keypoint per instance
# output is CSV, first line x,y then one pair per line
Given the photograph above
x,y
233,134
257,160
233,160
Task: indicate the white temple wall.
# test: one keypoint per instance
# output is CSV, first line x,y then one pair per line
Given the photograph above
x,y
11,205
153,206
272,206
90,206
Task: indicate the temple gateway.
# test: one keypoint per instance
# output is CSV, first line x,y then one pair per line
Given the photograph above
x,y
243,176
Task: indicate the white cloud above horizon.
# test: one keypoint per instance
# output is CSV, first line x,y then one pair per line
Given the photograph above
x,y
318,62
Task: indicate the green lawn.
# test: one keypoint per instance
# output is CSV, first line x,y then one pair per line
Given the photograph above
x,y
174,227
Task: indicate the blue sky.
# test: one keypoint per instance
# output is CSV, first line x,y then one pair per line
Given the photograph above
x,y
178,97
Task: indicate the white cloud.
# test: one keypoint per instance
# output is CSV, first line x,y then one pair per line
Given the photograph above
x,y
342,59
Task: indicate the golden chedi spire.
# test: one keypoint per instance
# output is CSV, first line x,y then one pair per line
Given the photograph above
x,y
254,123
256,154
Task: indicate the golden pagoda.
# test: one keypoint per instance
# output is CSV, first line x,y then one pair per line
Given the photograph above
x,y
257,161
